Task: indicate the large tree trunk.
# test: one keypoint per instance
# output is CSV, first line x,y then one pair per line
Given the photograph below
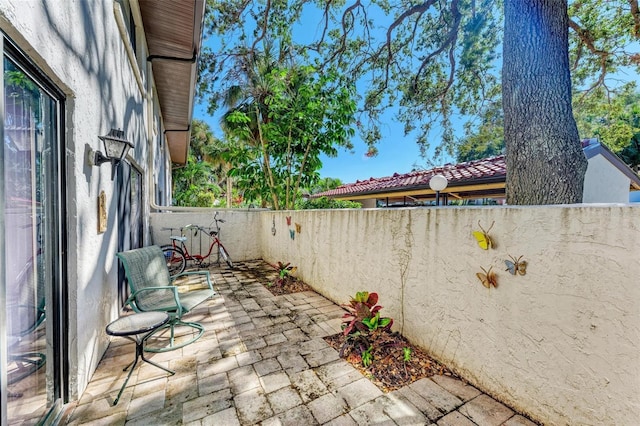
x,y
545,161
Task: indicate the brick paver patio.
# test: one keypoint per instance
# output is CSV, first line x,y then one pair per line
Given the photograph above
x,y
262,360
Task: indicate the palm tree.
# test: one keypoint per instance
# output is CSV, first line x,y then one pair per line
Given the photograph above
x,y
253,69
206,147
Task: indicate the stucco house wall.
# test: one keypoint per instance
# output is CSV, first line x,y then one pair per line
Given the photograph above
x,y
604,183
80,48
559,343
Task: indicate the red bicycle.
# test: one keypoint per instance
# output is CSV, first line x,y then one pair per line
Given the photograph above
x,y
177,254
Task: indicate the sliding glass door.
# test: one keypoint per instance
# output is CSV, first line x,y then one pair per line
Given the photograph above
x,y
32,271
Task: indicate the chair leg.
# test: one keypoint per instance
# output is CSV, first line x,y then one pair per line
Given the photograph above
x,y
172,341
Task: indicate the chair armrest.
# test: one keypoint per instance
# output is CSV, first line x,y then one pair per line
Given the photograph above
x,y
205,273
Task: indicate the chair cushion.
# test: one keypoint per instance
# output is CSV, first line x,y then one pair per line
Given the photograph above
x,y
193,298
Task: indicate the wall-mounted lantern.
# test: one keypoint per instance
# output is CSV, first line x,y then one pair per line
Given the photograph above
x,y
438,183
115,149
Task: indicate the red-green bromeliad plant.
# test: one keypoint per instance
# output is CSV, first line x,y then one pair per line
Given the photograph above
x,y
361,324
285,271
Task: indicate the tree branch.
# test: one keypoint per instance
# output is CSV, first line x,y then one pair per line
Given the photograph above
x,y
266,164
325,18
263,28
345,31
449,42
635,14
587,40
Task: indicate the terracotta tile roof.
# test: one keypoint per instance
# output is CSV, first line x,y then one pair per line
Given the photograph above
x,y
488,169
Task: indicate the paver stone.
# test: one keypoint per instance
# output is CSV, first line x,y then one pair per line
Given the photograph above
x,y
226,417
284,399
369,414
400,410
359,392
485,410
454,418
456,387
252,406
327,407
436,395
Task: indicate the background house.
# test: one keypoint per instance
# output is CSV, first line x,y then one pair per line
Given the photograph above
x,y
607,180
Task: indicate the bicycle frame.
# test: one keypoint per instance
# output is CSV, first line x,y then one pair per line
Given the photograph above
x,y
178,243
198,258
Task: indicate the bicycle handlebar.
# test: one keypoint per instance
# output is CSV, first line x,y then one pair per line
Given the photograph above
x,y
197,228
215,218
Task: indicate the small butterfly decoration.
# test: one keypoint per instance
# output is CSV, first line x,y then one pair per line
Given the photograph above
x,y
288,220
516,266
273,227
488,278
292,233
298,228
484,240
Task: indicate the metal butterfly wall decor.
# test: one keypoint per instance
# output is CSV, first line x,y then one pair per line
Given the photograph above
x,y
488,278
516,266
292,234
484,240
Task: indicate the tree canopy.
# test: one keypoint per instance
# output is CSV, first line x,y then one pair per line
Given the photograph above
x,y
282,119
204,178
436,60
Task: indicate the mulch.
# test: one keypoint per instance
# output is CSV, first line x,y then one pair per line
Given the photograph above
x,y
389,371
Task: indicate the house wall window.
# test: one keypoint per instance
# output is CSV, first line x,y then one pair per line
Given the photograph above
x,y
130,219
32,262
125,6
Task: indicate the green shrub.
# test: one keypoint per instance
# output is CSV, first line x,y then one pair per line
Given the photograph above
x,y
326,203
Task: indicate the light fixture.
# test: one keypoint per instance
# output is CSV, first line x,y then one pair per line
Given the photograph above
x,y
438,183
115,149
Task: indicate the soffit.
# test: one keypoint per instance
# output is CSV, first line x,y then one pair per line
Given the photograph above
x,y
173,31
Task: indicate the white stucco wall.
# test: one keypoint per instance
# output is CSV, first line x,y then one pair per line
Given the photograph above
x,y
240,233
604,183
560,343
78,45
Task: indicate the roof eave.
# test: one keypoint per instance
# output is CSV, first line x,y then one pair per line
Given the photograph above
x,y
453,187
600,149
173,31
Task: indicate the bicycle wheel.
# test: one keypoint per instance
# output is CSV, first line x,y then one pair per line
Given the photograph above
x,y
225,256
176,262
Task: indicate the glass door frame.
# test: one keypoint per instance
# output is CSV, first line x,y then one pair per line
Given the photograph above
x,y
57,304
